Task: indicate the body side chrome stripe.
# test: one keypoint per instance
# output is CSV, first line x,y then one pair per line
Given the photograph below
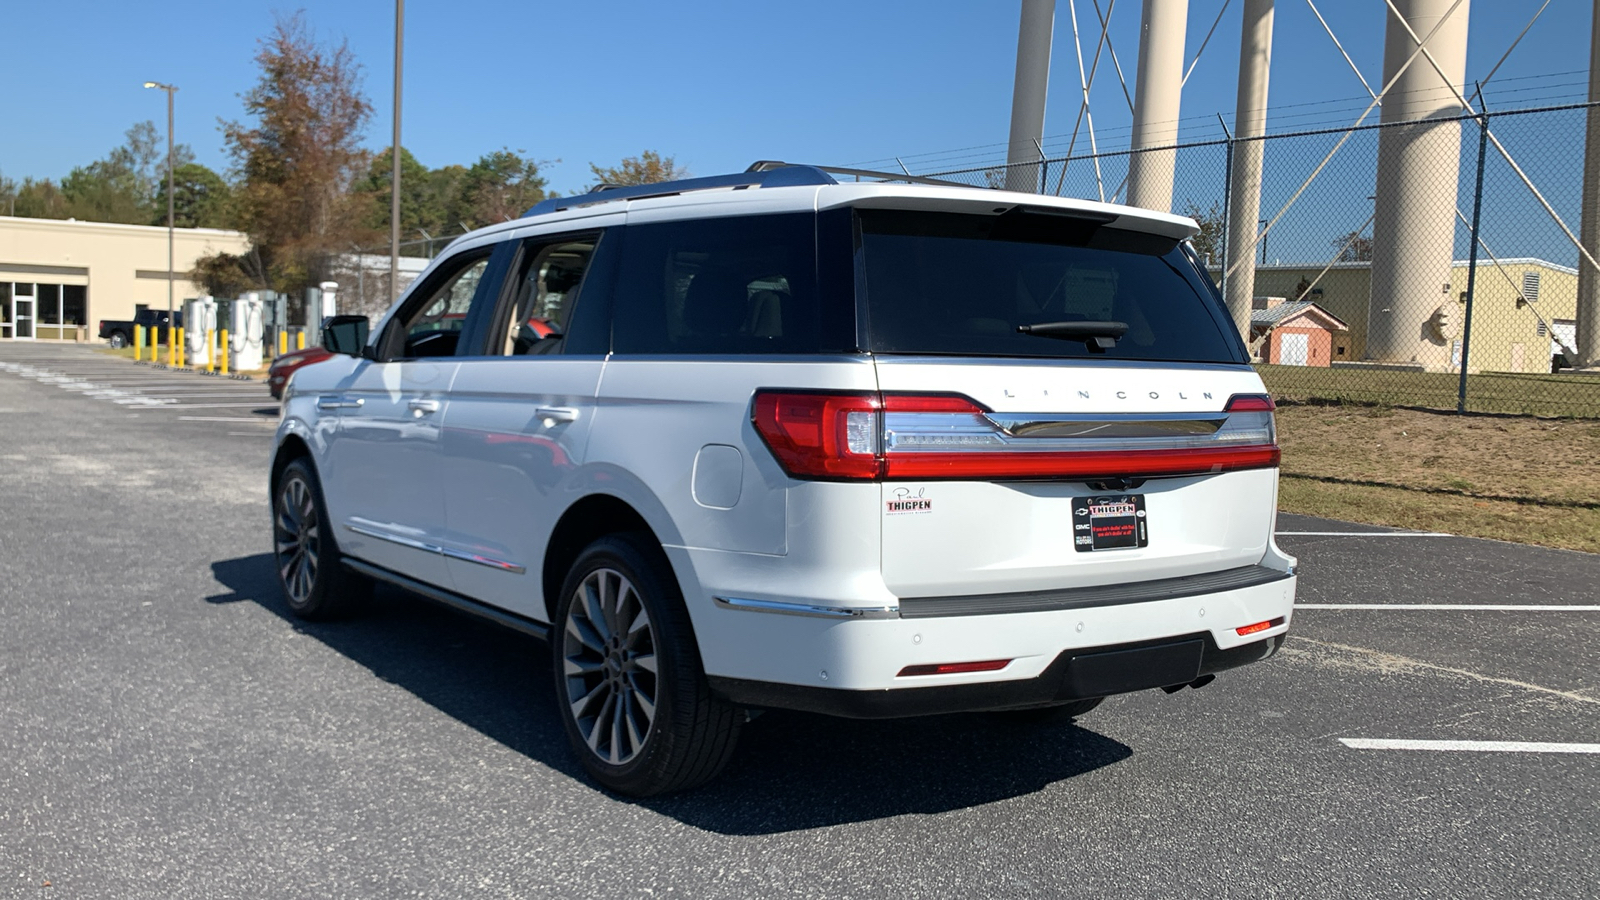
x,y
808,609
497,564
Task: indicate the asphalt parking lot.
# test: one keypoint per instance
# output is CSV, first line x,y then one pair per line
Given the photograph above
x,y
1432,728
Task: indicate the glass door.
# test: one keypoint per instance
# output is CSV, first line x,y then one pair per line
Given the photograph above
x,y
22,315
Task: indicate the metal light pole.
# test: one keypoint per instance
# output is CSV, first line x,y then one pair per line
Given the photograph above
x,y
171,318
394,159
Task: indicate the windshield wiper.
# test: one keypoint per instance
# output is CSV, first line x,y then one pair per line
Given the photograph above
x,y
1097,336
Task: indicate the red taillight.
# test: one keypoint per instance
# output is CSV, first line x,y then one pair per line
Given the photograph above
x,y
1250,403
930,403
988,665
829,436
1259,626
1079,466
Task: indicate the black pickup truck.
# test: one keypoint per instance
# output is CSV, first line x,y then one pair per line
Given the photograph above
x,y
120,331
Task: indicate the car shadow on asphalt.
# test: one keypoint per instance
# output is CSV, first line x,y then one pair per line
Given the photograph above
x,y
792,771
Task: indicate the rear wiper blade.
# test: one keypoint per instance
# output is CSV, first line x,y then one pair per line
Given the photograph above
x,y
1097,336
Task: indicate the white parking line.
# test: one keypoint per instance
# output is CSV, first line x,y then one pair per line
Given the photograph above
x,y
1364,533
1468,746
262,420
1492,607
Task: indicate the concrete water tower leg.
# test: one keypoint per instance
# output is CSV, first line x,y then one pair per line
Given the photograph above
x,y
1413,231
1028,95
1244,184
1156,100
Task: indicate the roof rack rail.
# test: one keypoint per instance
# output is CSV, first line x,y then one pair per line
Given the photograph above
x,y
763,173
770,164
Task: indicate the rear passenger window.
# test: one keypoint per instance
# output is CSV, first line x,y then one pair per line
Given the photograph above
x,y
719,286
546,290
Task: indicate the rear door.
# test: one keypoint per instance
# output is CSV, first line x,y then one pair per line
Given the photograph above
x,y
1097,449
521,409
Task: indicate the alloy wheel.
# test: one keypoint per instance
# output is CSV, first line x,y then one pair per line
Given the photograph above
x,y
297,540
609,663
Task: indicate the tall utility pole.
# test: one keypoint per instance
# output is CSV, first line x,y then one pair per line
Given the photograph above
x,y
1244,182
394,158
1156,97
1028,93
171,319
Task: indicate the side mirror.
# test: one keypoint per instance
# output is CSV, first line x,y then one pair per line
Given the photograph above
x,y
345,334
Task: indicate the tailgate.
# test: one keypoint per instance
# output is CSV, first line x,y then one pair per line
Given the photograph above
x,y
1141,459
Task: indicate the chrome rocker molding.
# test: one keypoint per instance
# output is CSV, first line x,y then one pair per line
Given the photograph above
x,y
496,564
807,609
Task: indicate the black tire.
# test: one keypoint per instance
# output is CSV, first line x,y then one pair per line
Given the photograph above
x,y
1061,712
621,614
306,556
118,340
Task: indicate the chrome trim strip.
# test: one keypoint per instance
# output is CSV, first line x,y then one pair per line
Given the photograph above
x,y
1148,425
491,562
807,609
496,564
413,543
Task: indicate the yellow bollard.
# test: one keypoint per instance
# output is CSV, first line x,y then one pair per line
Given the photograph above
x,y
211,351
283,341
155,346
170,336
300,339
138,342
224,351
180,347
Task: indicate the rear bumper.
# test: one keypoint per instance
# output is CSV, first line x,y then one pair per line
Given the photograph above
x,y
1073,675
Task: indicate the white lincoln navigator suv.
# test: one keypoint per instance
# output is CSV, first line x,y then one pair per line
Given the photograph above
x,y
785,440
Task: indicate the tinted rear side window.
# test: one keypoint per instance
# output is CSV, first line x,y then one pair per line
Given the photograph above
x,y
953,284
719,286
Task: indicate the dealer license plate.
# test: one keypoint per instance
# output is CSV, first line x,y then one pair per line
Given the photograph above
x,y
1114,522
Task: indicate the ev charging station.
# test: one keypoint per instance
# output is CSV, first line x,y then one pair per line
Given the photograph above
x,y
321,302
199,320
246,328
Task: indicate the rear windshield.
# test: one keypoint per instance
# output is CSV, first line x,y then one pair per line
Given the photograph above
x,y
955,284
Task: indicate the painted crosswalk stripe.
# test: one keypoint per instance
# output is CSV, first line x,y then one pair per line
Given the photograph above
x,y
1468,746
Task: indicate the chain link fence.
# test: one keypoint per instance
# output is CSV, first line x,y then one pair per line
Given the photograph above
x,y
1403,301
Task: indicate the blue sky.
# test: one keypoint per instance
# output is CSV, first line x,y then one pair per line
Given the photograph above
x,y
716,84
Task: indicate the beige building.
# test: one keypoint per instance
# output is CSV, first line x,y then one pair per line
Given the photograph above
x,y
57,277
1524,311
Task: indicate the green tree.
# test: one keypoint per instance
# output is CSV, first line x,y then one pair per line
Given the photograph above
x,y
500,186
415,198
39,200
122,186
1213,229
648,167
201,199
298,158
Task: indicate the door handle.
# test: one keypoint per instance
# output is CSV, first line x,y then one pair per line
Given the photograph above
x,y
327,403
553,414
423,407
